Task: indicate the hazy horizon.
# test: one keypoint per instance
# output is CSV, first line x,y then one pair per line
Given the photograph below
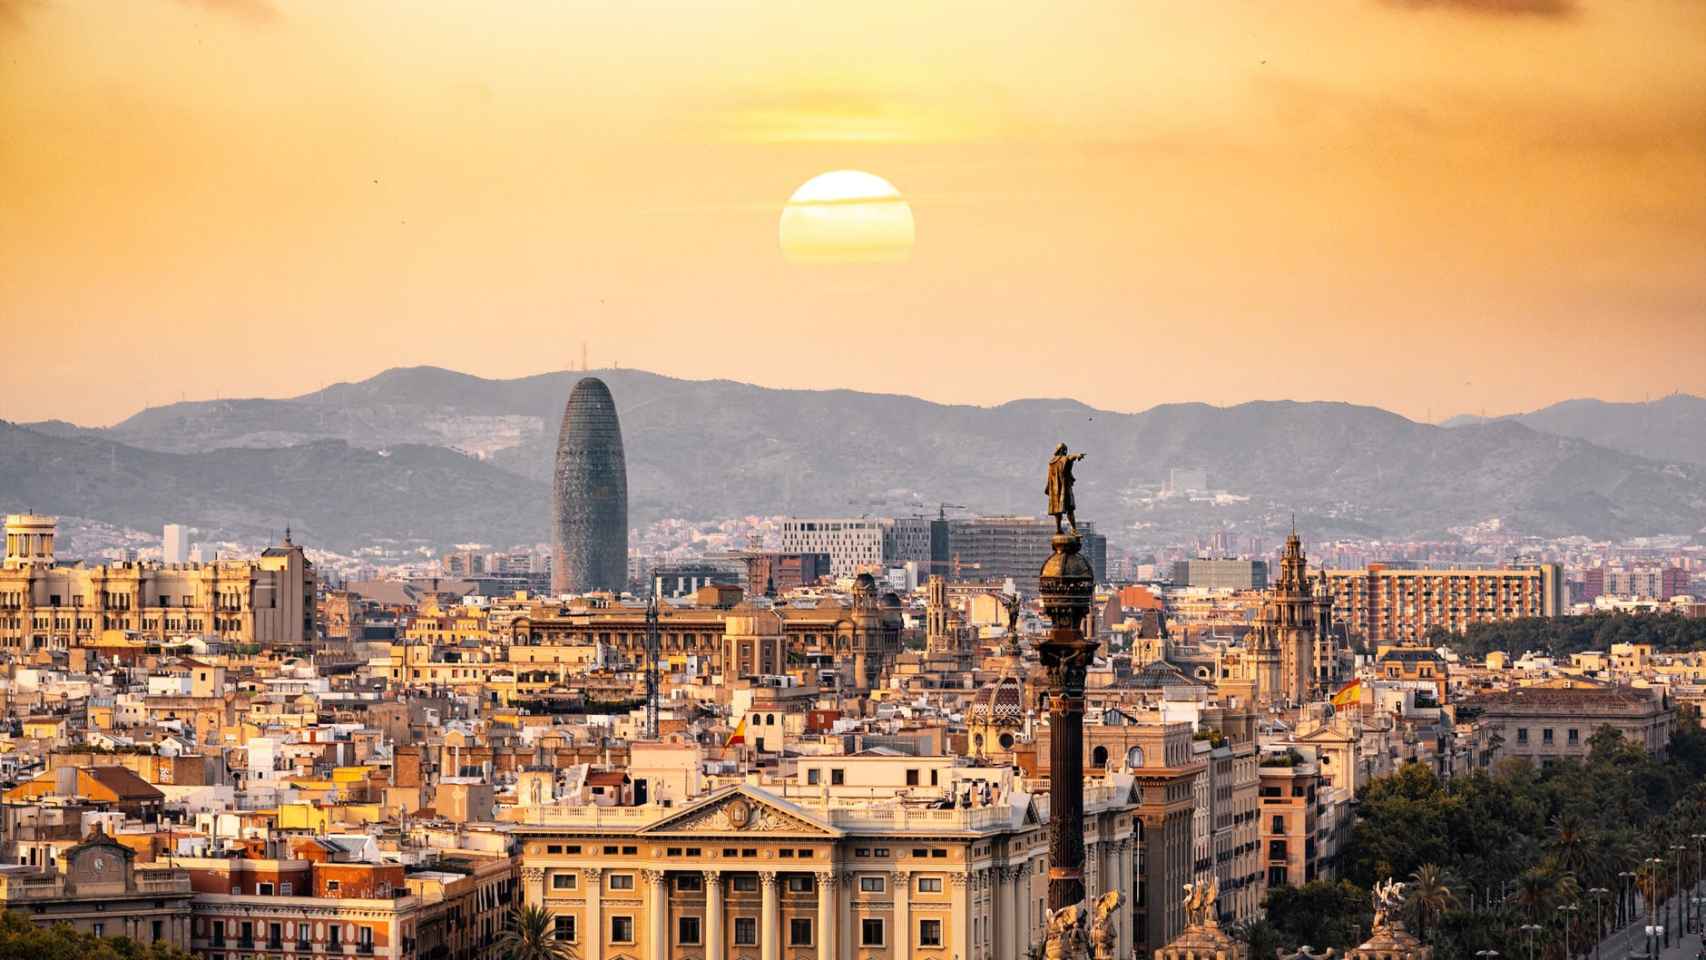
x,y
598,371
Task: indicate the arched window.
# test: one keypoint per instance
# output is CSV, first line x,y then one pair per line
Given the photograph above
x,y
1099,757
1134,758
1006,741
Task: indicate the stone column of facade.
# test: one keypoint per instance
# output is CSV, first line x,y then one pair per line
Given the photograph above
x,y
658,910
960,916
592,880
1005,943
1092,871
1021,908
771,922
715,939
844,926
533,886
1066,583
828,910
900,938
1129,905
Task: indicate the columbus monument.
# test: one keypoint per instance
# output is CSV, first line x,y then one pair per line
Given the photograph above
x,y
589,495
1066,584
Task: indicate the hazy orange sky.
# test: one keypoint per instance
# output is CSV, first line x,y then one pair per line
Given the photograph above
x,y
1435,206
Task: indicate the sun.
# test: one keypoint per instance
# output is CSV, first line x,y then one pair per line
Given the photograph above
x,y
846,216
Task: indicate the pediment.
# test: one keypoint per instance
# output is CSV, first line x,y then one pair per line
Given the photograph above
x,y
740,810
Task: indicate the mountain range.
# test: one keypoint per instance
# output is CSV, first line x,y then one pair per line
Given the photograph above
x,y
432,457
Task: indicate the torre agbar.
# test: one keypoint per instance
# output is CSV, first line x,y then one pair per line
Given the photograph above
x,y
589,495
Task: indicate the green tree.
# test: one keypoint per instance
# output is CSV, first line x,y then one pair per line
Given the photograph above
x,y
1429,897
531,935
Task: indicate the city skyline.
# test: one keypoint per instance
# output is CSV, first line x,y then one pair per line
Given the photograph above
x,y
1233,201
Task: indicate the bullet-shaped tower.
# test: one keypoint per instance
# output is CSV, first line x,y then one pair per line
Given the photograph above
x,y
589,495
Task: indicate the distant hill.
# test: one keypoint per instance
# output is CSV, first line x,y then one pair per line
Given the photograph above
x,y
1672,428
703,449
333,495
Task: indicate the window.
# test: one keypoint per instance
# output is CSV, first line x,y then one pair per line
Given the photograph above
x,y
334,935
880,852
264,889
938,853
301,933
871,885
690,882
621,929
285,888
912,777
564,929
746,931
920,851
871,932
1546,735
837,777
1575,737
745,883
562,881
930,933
332,886
799,932
814,777
1278,826
687,931
100,929
630,851
621,881
799,884
929,884
1521,734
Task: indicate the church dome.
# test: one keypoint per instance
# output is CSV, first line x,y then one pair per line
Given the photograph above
x,y
1001,703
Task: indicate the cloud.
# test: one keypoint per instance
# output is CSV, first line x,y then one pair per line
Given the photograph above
x,y
258,12
1516,8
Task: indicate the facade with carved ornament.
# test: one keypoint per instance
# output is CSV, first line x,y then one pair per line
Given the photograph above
x,y
791,872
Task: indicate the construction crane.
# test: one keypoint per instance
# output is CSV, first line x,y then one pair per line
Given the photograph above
x,y
942,511
652,678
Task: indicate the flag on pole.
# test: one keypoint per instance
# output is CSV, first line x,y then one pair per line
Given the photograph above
x,y
739,736
1348,695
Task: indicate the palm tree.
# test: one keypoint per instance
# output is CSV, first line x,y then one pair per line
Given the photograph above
x,y
1430,896
1533,892
1571,843
532,935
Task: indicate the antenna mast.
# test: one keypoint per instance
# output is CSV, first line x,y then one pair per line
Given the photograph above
x,y
652,679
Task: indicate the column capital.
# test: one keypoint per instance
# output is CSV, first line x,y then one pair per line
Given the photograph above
x,y
652,876
827,879
901,877
532,874
958,879
768,878
592,873
712,874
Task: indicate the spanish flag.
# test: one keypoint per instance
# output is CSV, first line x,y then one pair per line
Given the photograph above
x,y
739,736
1348,695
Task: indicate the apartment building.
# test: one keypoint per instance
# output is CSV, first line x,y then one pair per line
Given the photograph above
x,y
1381,604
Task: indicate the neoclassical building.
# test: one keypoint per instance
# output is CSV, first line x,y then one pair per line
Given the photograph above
x,y
49,605
745,874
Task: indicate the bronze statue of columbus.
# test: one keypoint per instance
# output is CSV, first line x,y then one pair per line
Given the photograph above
x,y
1059,489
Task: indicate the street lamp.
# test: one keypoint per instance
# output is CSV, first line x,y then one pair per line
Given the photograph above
x,y
1656,879
1699,855
1487,954
1568,922
1598,894
1671,907
1530,929
1625,879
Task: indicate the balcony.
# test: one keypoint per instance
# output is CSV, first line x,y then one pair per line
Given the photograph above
x,y
364,949
303,946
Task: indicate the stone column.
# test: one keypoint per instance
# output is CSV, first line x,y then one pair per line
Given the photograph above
x,y
1008,909
715,939
828,910
1092,871
533,886
592,882
960,914
1066,583
900,934
844,926
770,937
1021,908
1128,905
657,896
